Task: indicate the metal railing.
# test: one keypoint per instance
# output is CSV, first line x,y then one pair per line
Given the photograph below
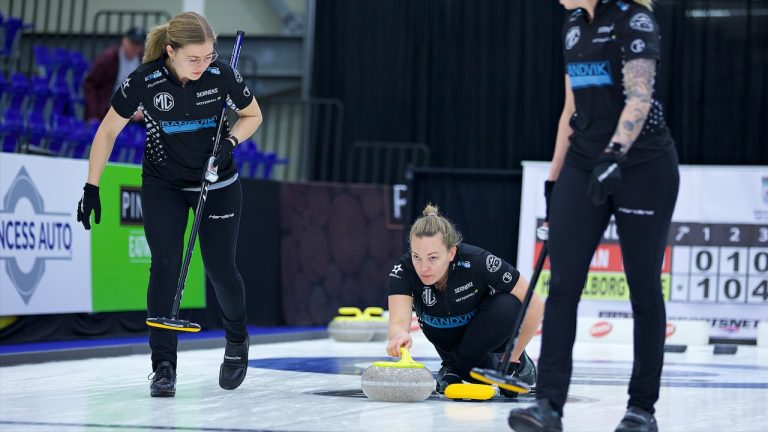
x,y
384,162
117,22
305,131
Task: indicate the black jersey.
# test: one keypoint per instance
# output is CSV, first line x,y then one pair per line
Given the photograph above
x,y
595,52
473,275
181,119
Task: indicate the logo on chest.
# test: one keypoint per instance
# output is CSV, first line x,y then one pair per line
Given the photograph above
x,y
464,287
428,296
207,92
590,74
572,37
163,101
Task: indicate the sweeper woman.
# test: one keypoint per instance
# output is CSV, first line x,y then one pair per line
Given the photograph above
x,y
181,88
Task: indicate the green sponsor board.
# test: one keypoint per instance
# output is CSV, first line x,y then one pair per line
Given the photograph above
x,y
602,286
120,256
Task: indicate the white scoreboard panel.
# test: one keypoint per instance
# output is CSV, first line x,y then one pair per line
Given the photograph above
x,y
719,263
716,262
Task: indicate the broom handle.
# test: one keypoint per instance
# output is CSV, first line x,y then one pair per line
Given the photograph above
x,y
203,195
504,363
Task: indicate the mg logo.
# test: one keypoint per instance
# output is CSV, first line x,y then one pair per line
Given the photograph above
x,y
163,101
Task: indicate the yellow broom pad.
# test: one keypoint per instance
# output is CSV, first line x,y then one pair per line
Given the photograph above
x,y
469,391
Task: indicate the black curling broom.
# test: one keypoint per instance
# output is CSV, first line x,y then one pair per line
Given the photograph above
x,y
501,376
211,175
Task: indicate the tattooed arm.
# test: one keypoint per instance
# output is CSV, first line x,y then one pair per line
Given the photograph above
x,y
639,76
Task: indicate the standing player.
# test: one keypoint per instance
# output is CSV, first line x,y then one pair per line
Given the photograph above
x,y
182,87
614,156
461,295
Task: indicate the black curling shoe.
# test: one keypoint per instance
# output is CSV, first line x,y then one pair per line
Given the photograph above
x,y
163,380
637,420
234,366
445,377
539,417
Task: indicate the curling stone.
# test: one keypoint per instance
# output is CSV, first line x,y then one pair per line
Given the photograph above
x,y
378,322
350,326
400,381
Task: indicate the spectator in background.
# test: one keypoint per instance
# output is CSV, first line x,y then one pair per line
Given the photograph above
x,y
110,68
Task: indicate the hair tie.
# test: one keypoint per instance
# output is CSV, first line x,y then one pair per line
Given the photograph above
x,y
432,214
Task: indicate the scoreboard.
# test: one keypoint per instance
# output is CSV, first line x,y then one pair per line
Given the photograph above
x,y
715,263
719,263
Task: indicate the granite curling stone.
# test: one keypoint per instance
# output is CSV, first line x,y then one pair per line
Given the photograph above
x,y
378,322
351,326
400,381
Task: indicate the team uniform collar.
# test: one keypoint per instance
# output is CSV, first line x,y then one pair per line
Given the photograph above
x,y
599,9
172,77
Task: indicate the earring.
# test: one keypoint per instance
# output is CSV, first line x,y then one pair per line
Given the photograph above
x,y
171,59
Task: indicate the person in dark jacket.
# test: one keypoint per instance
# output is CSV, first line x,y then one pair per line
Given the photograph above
x,y
110,68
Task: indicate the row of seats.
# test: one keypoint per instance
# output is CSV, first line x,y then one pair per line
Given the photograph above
x,y
39,113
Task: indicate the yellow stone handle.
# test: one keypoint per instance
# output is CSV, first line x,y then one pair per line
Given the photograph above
x,y
405,362
350,311
373,311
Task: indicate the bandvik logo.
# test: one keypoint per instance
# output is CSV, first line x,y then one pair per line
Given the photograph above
x,y
29,238
589,74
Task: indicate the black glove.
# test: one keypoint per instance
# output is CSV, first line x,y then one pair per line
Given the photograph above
x,y
89,202
548,186
224,154
606,177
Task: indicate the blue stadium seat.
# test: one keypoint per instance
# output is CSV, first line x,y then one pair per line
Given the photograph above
x,y
44,61
79,66
11,129
3,86
252,162
12,27
18,90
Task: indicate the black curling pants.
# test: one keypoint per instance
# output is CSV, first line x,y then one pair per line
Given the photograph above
x,y
473,345
643,210
166,213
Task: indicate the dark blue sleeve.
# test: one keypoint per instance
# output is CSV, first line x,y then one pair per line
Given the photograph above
x,y
497,273
127,98
239,96
397,282
639,35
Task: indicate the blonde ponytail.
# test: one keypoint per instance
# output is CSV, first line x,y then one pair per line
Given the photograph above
x,y
645,3
186,28
157,39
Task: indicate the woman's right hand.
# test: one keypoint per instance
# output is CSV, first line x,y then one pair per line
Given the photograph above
x,y
89,202
400,340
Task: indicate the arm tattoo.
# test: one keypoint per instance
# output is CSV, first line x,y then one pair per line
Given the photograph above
x,y
639,76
